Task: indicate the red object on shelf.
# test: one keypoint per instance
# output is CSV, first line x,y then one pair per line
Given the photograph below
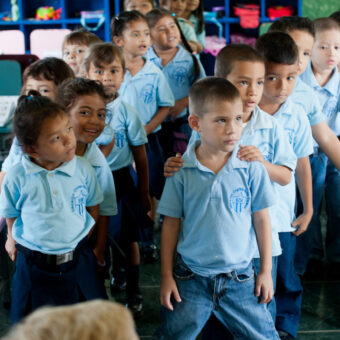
x,y
274,12
249,15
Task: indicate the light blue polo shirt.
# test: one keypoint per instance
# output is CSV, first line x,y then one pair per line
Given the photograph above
x,y
50,206
200,36
304,95
328,96
147,91
187,30
96,158
295,122
264,132
217,234
179,72
129,131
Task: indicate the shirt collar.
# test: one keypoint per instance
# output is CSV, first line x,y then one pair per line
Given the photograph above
x,y
190,159
285,108
259,120
94,155
31,168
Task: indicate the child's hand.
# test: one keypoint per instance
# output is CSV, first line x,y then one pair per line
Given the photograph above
x,y
11,249
302,223
250,153
99,257
264,287
168,287
172,165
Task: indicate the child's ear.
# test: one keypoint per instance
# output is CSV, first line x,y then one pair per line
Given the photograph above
x,y
30,151
118,40
193,121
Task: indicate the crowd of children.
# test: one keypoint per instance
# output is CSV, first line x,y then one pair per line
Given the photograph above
x,y
251,152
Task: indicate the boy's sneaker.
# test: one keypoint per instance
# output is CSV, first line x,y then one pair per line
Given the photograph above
x,y
135,304
118,281
285,336
150,253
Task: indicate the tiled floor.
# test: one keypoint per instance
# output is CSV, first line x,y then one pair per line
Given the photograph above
x,y
320,311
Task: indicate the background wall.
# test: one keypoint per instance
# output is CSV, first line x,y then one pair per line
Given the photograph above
x,y
317,8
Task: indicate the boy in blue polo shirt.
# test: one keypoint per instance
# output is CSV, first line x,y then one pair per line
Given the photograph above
x,y
323,76
214,193
281,60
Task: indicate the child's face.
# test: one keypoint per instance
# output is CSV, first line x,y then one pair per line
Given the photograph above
x,y
142,6
178,6
220,127
304,42
56,143
192,5
47,88
165,34
326,50
87,117
73,56
110,75
135,39
248,77
279,82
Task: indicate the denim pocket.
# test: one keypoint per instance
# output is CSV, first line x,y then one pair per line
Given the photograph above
x,y
181,271
244,276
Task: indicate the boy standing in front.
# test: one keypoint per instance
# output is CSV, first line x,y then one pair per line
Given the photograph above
x,y
222,200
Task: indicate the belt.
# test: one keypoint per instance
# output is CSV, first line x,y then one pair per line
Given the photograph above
x,y
51,259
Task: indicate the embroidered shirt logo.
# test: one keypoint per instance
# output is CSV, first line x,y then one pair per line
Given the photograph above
x,y
120,138
330,107
78,203
239,200
179,74
290,133
147,93
267,151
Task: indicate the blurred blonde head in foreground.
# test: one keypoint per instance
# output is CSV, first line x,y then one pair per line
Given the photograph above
x,y
92,320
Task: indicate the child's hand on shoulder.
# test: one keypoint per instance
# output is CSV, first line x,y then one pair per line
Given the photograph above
x,y
11,249
168,288
172,165
302,222
264,287
250,153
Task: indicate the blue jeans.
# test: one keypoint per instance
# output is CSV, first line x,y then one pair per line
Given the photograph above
x,y
326,180
288,294
214,329
230,297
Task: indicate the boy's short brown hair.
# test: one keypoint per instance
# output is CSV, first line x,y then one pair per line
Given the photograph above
x,y
325,24
232,53
80,37
102,53
210,90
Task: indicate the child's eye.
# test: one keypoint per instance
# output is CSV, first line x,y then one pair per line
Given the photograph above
x,y
260,82
56,139
290,78
102,115
84,113
307,54
66,54
135,35
69,129
272,78
98,72
323,47
79,51
243,82
221,120
114,71
239,118
43,91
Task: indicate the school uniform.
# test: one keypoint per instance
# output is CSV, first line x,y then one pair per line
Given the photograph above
x,y
148,91
51,219
289,290
326,178
215,247
14,155
200,36
187,30
180,74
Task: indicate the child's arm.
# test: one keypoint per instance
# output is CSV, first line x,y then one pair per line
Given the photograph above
x,y
101,229
179,106
141,161
106,149
157,119
2,176
277,173
10,243
328,142
170,230
264,281
304,181
94,211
